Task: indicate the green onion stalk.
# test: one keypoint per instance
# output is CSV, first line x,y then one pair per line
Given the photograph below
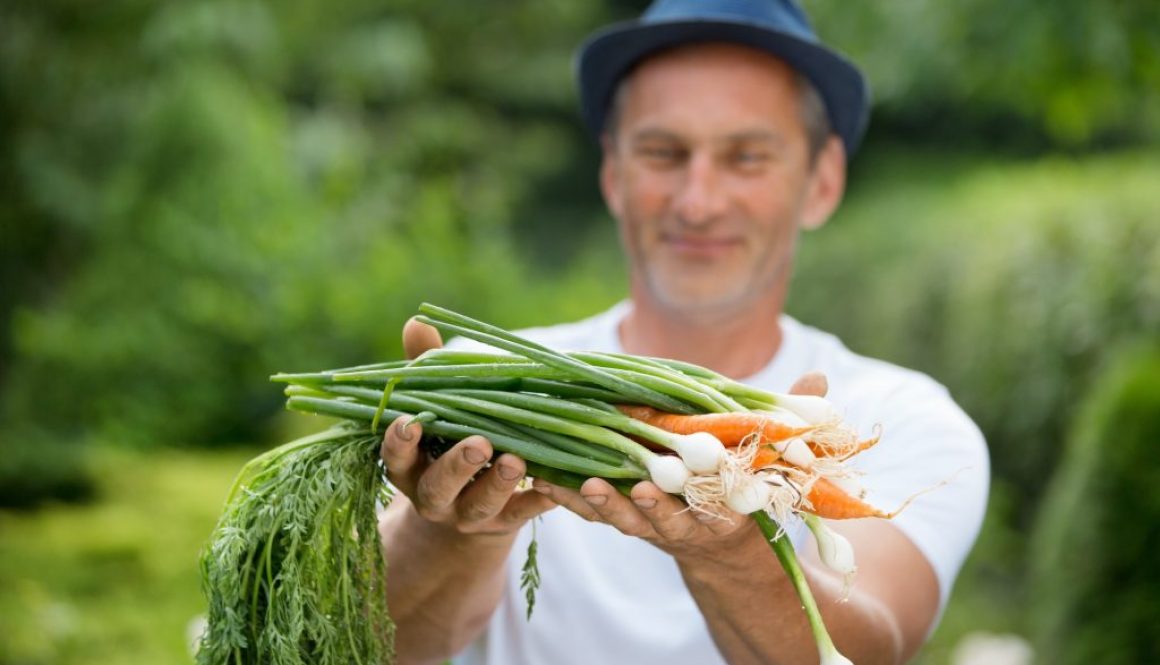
x,y
294,571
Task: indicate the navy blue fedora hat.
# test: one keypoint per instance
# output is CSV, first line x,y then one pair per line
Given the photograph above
x,y
779,27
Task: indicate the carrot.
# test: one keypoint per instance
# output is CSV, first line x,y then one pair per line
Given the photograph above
x,y
730,428
766,456
845,452
832,502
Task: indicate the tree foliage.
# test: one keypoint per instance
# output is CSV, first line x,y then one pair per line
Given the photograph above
x,y
1002,73
203,193
1012,286
197,194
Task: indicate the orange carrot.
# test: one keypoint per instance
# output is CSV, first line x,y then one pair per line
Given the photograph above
x,y
832,502
729,428
766,455
822,450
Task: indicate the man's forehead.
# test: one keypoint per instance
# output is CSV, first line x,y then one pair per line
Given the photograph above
x,y
757,135
728,90
688,74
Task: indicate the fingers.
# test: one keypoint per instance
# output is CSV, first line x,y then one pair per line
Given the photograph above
x,y
525,505
667,515
810,383
567,498
418,338
616,509
648,513
489,493
458,490
401,454
444,479
598,501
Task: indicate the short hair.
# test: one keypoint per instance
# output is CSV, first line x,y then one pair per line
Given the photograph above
x,y
814,117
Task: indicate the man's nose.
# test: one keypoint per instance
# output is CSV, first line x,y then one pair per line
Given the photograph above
x,y
701,198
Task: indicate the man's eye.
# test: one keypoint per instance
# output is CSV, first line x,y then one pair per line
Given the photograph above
x,y
661,153
750,157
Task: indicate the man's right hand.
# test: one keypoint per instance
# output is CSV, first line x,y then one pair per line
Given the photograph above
x,y
458,490
449,531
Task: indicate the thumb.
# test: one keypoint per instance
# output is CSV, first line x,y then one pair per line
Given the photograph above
x,y
810,383
419,338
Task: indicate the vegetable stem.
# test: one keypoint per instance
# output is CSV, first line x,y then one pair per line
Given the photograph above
x,y
784,551
528,450
499,338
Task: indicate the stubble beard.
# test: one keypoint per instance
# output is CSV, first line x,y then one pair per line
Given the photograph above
x,y
767,273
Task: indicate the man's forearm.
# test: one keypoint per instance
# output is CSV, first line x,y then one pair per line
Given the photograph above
x,y
755,616
442,585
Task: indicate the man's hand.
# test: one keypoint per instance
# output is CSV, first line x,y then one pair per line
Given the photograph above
x,y
458,491
663,519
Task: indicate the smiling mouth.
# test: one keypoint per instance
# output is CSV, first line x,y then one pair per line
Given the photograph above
x,y
695,247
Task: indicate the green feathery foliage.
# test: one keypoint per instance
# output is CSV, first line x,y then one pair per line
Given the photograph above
x,y
289,576
530,574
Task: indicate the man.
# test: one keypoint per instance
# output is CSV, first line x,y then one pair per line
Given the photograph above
x,y
725,129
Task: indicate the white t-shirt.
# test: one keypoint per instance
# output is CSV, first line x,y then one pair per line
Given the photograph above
x,y
609,598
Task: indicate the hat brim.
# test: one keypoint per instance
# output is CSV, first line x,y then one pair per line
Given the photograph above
x,y
609,54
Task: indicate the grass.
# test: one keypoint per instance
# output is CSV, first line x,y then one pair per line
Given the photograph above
x,y
988,594
115,581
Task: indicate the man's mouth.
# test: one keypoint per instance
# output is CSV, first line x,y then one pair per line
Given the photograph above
x,y
700,247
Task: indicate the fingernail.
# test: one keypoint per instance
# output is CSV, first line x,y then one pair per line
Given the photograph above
x,y
403,431
508,472
474,456
596,499
706,517
646,503
542,488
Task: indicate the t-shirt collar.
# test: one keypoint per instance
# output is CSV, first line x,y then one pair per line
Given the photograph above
x,y
783,369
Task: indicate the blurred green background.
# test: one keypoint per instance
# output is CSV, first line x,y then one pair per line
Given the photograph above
x,y
194,195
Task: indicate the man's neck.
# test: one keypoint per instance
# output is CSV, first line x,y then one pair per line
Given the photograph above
x,y
736,345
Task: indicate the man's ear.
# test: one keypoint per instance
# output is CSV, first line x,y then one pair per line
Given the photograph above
x,y
609,174
827,184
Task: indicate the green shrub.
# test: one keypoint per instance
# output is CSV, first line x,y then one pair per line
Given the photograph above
x,y
1096,586
1008,283
35,467
207,194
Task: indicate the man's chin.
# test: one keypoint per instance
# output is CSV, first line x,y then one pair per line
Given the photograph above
x,y
699,305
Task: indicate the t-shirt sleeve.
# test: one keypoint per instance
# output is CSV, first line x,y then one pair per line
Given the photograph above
x,y
932,449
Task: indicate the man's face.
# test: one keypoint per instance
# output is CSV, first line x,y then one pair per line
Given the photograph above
x,y
709,174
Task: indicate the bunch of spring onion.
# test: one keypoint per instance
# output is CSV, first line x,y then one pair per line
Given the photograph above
x,y
294,571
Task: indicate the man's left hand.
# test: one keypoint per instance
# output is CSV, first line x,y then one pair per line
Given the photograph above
x,y
663,519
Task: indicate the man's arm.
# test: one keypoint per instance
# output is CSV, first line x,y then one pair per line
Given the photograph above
x,y
756,617
749,604
447,533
